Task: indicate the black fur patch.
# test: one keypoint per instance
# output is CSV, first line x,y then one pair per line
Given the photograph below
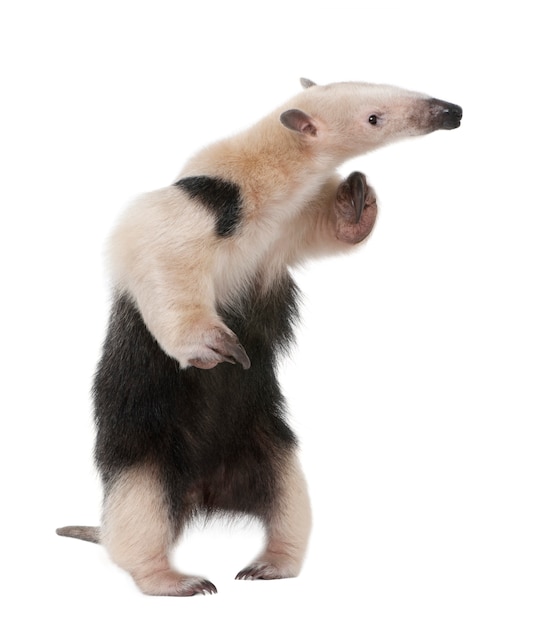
x,y
222,198
216,437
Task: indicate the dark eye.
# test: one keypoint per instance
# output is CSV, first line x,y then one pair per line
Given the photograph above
x,y
373,120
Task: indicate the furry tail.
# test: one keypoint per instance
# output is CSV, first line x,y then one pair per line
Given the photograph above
x,y
85,533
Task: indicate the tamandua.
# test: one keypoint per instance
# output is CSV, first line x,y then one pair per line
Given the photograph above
x,y
202,286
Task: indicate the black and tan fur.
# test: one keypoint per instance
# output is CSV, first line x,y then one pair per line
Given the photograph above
x,y
201,286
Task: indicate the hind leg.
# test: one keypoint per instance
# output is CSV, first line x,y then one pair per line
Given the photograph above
x,y
138,533
288,529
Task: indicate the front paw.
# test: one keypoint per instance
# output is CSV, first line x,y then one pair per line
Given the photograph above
x,y
207,347
355,209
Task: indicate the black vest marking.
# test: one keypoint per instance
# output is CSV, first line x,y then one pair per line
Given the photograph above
x,y
220,197
220,432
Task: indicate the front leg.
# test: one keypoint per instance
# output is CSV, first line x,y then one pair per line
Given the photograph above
x,y
177,308
163,254
355,209
192,335
341,214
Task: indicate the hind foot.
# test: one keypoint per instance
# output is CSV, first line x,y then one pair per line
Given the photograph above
x,y
269,567
261,571
171,583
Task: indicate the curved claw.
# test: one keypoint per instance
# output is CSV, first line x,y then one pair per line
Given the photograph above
x,y
233,351
261,571
356,209
221,345
171,583
204,587
358,187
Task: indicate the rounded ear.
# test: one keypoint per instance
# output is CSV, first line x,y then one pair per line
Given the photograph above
x,y
299,121
306,82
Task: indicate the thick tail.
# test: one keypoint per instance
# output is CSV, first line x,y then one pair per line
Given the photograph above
x,y
85,533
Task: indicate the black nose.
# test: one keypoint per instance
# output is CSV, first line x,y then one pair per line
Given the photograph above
x,y
447,115
451,116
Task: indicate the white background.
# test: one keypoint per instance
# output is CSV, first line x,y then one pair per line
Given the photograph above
x,y
423,387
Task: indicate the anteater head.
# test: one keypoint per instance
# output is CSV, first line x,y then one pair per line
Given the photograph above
x,y
348,119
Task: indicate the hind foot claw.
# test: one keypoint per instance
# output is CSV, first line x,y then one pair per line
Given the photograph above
x,y
172,583
264,571
198,586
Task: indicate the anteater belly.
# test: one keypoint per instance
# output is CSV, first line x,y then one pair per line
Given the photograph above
x,y
195,423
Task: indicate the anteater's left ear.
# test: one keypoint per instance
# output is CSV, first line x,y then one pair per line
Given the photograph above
x,y
306,82
299,121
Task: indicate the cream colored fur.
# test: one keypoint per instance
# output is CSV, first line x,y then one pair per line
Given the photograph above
x,y
137,534
288,530
165,252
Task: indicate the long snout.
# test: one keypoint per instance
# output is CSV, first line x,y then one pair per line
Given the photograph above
x,y
445,115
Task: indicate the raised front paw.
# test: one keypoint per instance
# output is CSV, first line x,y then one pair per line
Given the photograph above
x,y
355,208
207,347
